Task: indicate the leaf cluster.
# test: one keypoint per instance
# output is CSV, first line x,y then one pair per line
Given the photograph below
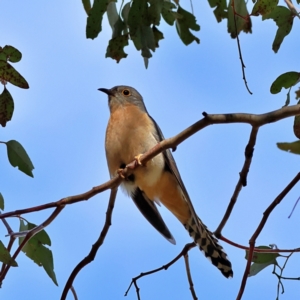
x,y
138,20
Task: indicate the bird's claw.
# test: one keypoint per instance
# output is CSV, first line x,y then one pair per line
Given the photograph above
x,y
138,160
120,173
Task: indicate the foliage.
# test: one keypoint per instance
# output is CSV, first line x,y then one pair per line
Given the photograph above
x,y
138,20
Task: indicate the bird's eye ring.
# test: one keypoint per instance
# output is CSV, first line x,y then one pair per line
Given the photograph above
x,y
126,92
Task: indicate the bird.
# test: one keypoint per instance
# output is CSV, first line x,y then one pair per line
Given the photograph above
x,y
130,132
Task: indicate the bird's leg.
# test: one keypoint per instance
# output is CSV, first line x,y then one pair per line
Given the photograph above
x,y
120,171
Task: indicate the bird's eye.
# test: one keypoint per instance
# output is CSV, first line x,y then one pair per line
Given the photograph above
x,y
126,92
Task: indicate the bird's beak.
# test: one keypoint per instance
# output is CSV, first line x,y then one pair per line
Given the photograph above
x,y
106,91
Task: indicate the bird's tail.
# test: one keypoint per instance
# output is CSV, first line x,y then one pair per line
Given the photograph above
x,y
209,245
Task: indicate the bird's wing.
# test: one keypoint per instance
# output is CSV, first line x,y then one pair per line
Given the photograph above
x,y
151,213
170,165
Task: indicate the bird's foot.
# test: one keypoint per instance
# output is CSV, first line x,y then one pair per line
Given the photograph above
x,y
120,173
138,160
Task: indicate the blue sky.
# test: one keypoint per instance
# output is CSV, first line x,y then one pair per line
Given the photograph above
x,y
61,122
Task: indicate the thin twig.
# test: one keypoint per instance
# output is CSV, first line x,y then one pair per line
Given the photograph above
x,y
258,250
239,48
74,293
281,277
261,225
242,180
189,276
91,256
183,252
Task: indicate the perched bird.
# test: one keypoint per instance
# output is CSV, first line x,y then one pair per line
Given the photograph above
x,y
132,131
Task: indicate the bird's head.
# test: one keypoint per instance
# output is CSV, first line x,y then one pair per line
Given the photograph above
x,y
122,95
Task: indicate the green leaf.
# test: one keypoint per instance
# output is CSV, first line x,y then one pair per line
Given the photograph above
x,y
6,107
296,126
1,202
154,11
115,48
261,258
158,35
263,7
256,268
86,5
242,24
220,10
119,27
137,18
112,14
35,249
293,147
140,31
95,16
18,157
5,256
286,80
167,12
10,74
283,18
11,54
184,24
125,12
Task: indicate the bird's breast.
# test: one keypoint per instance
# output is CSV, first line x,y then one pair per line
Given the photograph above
x,y
130,132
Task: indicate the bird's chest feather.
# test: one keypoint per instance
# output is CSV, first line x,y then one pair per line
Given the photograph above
x,y
130,132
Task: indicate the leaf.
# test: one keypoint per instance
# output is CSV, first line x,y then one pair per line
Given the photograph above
x,y
220,10
293,147
283,18
35,249
5,256
119,27
167,12
11,54
115,48
296,126
297,94
184,24
285,80
94,19
137,18
10,74
112,14
140,31
18,157
154,11
158,35
256,268
86,5
242,23
1,202
6,107
264,7
261,258
125,12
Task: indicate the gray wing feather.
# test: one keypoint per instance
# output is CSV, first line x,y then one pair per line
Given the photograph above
x,y
151,213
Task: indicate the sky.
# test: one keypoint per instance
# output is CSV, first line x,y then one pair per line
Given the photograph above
x,y
61,122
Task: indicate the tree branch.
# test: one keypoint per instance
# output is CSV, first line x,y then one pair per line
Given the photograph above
x,y
242,180
91,256
261,225
134,280
188,272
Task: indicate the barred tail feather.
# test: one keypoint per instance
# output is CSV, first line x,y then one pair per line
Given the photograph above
x,y
209,245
